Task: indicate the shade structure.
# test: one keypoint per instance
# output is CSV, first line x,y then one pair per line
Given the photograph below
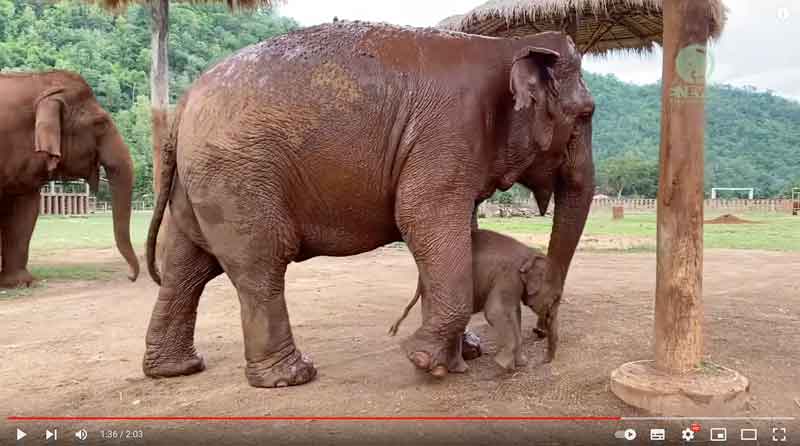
x,y
596,26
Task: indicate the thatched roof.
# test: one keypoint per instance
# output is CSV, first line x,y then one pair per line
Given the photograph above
x,y
451,22
602,25
233,5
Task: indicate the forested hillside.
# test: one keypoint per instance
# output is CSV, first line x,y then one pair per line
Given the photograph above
x,y
752,139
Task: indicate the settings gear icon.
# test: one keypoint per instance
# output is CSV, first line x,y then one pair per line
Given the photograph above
x,y
687,434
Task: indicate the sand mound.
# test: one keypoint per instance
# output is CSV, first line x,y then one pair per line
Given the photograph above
x,y
728,219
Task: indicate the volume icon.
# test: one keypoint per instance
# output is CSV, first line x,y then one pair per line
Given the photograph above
x,y
81,434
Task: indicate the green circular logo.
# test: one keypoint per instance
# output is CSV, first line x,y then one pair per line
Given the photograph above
x,y
694,64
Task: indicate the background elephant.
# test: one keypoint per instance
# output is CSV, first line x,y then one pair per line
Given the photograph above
x,y
53,128
506,273
337,139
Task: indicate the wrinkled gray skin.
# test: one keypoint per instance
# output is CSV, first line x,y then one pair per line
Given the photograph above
x,y
506,273
337,139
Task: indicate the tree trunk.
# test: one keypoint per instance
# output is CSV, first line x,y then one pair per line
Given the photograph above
x,y
159,96
679,274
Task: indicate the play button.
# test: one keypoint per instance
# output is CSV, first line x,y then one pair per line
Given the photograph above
x,y
20,434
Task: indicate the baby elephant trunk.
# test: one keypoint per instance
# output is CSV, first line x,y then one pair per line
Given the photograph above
x,y
551,324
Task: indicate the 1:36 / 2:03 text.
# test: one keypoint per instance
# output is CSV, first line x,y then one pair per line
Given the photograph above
x,y
110,434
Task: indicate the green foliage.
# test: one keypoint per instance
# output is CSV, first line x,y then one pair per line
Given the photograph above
x,y
752,138
629,173
517,193
113,53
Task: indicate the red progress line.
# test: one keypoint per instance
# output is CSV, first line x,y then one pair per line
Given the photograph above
x,y
15,418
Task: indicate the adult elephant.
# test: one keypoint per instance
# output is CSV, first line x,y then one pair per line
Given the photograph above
x,y
337,139
53,128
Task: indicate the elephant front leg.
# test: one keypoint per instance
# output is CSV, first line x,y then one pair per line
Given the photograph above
x,y
170,335
16,226
503,318
442,249
457,354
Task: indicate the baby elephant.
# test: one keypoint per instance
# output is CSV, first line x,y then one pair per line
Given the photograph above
x,y
506,272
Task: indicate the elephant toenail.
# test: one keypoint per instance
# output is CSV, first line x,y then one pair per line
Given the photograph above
x,y
439,371
421,359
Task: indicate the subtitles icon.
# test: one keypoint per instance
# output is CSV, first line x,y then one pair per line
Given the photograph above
x,y
658,434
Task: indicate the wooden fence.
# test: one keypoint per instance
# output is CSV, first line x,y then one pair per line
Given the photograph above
x,y
65,199
735,205
645,205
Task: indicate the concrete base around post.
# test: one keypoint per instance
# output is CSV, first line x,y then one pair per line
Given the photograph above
x,y
710,390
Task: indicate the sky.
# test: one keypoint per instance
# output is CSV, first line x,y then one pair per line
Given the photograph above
x,y
760,46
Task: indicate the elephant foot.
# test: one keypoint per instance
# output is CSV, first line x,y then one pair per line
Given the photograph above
x,y
155,367
505,359
470,346
293,370
427,355
16,279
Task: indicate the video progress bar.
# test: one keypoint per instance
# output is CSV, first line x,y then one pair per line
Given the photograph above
x,y
708,418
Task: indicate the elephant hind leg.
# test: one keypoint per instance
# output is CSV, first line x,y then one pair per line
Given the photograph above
x,y
170,335
255,253
16,226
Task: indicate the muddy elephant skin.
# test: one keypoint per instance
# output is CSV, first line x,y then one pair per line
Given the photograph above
x,y
506,273
337,139
53,128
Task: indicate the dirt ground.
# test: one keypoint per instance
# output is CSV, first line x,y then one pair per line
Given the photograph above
x,y
75,349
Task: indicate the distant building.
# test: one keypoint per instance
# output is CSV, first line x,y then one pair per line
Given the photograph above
x,y
601,197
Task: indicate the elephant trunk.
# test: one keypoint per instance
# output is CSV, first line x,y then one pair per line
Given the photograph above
x,y
543,194
116,159
574,188
552,332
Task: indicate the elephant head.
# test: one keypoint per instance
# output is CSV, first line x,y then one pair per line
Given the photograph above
x,y
77,136
551,137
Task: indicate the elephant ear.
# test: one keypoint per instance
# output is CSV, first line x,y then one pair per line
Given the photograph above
x,y
50,107
533,274
534,86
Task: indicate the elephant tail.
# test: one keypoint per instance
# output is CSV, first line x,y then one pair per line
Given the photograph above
x,y
168,157
393,329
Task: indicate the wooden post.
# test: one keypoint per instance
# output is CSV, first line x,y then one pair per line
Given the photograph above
x,y
159,82
159,98
679,271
